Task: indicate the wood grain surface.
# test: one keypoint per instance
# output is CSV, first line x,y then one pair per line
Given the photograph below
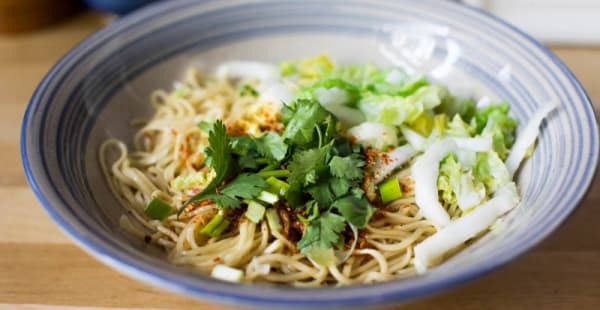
x,y
40,268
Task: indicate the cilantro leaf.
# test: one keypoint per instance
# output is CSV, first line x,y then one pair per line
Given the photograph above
x,y
357,211
247,186
272,146
306,115
246,150
349,167
329,188
223,201
305,168
322,193
325,231
330,129
305,165
340,186
219,152
287,112
218,157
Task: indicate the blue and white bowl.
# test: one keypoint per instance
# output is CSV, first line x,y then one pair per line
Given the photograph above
x,y
93,92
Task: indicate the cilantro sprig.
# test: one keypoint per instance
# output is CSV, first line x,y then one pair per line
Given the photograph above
x,y
321,170
220,158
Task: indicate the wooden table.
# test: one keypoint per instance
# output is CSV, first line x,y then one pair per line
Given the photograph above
x,y
41,268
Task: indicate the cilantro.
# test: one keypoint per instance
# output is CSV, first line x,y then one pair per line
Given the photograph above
x,y
305,165
330,188
287,112
246,150
301,126
219,152
330,129
272,146
347,167
357,211
247,186
304,168
324,231
322,193
223,201
340,186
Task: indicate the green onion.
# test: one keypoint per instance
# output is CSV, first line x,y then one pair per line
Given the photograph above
x,y
220,229
215,226
205,126
158,209
267,197
273,219
273,173
255,211
264,160
226,273
277,186
390,190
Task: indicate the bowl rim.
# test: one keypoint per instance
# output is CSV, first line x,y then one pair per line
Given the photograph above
x,y
103,251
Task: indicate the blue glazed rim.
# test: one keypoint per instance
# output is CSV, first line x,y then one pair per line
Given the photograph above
x,y
165,279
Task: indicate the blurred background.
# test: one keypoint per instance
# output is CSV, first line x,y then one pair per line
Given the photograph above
x,y
551,21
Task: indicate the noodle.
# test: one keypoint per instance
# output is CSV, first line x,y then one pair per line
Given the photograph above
x,y
171,145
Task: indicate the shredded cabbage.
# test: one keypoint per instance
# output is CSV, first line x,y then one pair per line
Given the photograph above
x,y
396,158
462,148
527,137
394,82
493,121
425,173
198,179
491,171
395,110
457,186
375,135
458,128
432,249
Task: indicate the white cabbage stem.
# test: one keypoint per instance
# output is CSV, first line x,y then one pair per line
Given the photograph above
x,y
432,249
425,172
527,137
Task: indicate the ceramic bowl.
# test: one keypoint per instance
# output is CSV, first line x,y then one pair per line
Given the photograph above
x,y
93,92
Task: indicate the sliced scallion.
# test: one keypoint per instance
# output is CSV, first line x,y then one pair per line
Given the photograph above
x,y
390,190
273,173
273,219
277,186
220,229
226,273
215,226
255,211
267,197
158,209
